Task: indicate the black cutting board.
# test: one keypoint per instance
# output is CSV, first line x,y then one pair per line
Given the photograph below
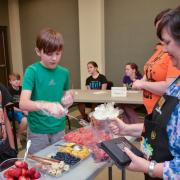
x,y
114,148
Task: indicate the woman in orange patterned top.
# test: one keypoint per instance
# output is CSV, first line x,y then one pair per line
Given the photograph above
x,y
158,74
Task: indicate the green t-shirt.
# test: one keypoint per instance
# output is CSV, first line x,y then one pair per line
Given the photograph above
x,y
45,85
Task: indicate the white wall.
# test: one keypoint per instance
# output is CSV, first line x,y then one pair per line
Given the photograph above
x,y
91,36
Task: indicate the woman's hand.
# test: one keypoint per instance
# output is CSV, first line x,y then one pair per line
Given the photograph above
x,y
138,84
118,127
137,163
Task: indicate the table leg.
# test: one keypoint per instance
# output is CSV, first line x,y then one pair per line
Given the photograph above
x,y
110,173
123,174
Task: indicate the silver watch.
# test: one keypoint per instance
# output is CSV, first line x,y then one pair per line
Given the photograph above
x,y
151,168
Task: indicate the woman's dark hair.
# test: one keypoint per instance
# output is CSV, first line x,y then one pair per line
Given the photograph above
x,y
170,21
135,66
93,63
160,15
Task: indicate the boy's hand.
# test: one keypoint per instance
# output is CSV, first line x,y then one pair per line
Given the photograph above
x,y
54,109
57,110
68,99
25,112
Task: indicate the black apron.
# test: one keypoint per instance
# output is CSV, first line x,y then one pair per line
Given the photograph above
x,y
155,130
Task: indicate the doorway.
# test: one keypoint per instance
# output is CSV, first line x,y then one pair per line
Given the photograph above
x,y
4,60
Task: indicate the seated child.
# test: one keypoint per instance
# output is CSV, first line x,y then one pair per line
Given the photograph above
x,y
94,81
131,74
20,116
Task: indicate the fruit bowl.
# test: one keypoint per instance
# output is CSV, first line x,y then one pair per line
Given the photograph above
x,y
16,168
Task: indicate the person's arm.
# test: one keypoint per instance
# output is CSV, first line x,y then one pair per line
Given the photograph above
x,y
144,78
53,108
158,88
6,125
26,104
9,130
123,129
142,165
87,83
134,129
104,82
2,133
104,86
88,87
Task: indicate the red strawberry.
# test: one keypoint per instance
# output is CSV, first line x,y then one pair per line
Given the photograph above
x,y
37,175
12,172
25,172
19,164
22,178
32,171
6,174
18,172
15,172
10,178
25,165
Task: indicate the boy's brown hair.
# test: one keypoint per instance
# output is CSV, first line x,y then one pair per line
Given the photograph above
x,y
13,76
49,41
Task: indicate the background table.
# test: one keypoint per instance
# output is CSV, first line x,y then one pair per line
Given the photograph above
x,y
104,96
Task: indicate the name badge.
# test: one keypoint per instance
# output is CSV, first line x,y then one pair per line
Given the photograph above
x,y
118,91
161,102
153,135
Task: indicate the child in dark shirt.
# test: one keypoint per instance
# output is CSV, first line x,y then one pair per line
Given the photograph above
x,y
94,81
20,116
15,86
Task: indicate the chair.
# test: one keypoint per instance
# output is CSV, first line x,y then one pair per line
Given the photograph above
x,y
67,117
69,122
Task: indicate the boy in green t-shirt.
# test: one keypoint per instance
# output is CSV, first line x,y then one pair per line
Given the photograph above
x,y
44,92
